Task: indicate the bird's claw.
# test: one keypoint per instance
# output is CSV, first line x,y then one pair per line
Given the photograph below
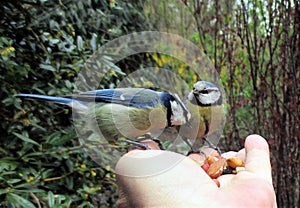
x,y
138,144
213,146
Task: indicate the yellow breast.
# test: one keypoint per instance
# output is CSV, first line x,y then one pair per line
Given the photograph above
x,y
204,121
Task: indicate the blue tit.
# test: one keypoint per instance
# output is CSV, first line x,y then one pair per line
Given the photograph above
x,y
125,112
207,113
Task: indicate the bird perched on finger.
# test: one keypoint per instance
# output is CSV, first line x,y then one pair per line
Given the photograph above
x,y
207,113
124,112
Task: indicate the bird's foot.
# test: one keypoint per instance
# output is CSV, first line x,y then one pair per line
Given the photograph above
x,y
213,146
193,150
155,139
138,144
197,152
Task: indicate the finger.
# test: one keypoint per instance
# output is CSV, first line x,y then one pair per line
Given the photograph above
x,y
140,163
225,179
242,154
257,157
140,172
200,157
210,152
229,154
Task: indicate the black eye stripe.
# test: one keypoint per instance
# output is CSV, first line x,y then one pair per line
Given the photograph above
x,y
204,91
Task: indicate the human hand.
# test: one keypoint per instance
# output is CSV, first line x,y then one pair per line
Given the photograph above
x,y
174,180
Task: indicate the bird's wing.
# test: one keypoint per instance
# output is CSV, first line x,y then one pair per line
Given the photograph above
x,y
133,97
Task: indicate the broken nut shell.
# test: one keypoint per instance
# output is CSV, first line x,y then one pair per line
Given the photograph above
x,y
235,162
216,169
210,159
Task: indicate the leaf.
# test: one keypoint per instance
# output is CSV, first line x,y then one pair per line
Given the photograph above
x,y
94,42
8,163
25,138
3,191
33,156
79,43
50,199
56,138
54,41
13,180
18,201
47,67
69,84
31,190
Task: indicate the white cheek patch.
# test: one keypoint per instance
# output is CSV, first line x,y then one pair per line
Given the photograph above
x,y
210,98
177,117
214,96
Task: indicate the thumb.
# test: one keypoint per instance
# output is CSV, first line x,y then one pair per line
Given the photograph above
x,y
258,157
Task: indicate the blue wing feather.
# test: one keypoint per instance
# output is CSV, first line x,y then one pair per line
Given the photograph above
x,y
132,97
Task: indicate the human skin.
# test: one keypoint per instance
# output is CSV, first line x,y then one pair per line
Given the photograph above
x,y
185,184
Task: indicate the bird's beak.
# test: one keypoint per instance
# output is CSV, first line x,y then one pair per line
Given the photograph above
x,y
191,95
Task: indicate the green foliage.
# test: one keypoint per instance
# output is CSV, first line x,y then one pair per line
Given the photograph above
x,y
56,166
43,46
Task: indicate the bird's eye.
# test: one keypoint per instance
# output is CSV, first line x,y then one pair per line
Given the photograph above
x,y
204,92
193,88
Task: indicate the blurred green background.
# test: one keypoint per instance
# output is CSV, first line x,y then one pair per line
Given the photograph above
x,y
253,45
